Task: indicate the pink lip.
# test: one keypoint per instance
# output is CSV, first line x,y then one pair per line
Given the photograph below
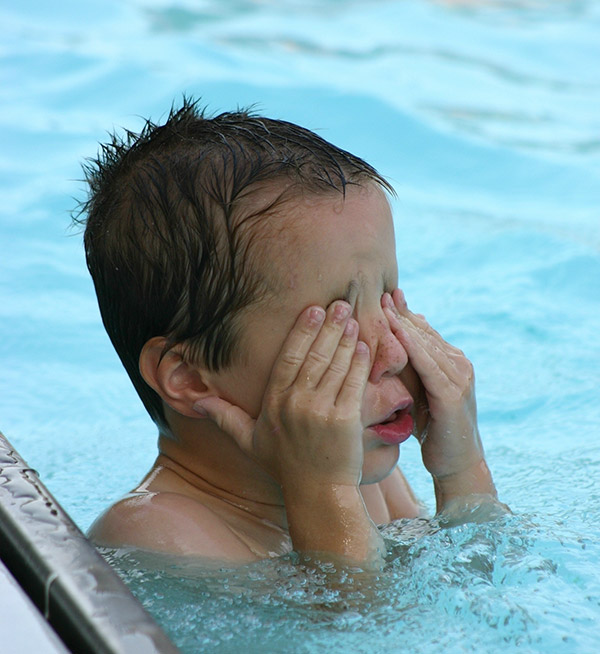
x,y
396,428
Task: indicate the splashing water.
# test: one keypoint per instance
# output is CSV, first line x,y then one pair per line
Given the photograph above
x,y
484,115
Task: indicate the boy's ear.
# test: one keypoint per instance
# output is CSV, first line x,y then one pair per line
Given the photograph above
x,y
178,382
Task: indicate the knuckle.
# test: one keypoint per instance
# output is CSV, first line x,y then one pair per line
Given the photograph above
x,y
355,382
346,420
271,403
463,365
460,392
471,375
354,385
315,357
467,370
299,403
338,368
292,359
295,403
226,419
322,415
301,406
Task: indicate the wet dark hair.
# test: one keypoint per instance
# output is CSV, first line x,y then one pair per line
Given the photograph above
x,y
170,218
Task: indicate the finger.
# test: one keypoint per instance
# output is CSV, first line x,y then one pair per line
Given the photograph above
x,y
425,347
419,320
354,385
447,356
322,351
432,376
334,376
436,370
293,352
399,300
395,301
450,359
229,418
397,307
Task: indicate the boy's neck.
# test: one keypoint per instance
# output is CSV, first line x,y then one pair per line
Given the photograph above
x,y
201,459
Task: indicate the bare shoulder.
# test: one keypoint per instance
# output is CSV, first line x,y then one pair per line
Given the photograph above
x,y
168,522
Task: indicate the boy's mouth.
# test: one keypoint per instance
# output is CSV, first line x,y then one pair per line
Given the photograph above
x,y
396,428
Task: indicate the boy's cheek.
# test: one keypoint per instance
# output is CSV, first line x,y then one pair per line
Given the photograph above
x,y
240,387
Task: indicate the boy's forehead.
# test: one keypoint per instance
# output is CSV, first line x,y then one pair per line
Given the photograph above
x,y
297,224
334,219
320,232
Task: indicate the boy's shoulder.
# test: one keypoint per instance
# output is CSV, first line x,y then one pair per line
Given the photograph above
x,y
173,522
168,522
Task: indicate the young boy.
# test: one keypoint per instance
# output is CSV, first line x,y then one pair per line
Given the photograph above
x,y
246,274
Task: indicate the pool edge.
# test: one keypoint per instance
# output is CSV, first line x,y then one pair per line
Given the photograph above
x,y
78,593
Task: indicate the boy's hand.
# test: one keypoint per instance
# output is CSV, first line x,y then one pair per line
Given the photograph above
x,y
447,421
308,435
309,429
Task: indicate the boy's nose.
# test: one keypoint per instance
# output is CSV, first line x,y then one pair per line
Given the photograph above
x,y
388,355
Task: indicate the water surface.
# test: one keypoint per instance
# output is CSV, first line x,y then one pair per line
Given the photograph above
x,y
486,118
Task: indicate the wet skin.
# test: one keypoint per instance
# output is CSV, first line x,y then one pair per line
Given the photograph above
x,y
326,380
340,256
334,367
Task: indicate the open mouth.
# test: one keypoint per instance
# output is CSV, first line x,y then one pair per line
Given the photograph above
x,y
396,428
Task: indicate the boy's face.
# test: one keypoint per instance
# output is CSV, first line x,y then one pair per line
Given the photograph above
x,y
329,249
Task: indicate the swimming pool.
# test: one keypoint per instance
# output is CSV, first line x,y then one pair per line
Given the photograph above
x,y
486,119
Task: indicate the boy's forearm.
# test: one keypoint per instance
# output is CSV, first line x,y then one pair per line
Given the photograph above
x,y
333,520
474,481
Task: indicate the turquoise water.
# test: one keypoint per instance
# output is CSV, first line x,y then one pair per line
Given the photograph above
x,y
486,118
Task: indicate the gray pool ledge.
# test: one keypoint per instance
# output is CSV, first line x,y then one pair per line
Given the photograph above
x,y
75,591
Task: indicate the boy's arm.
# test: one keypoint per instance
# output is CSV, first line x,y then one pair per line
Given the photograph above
x,y
308,435
447,422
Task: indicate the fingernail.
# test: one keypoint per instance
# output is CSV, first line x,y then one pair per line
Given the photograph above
x,y
387,300
341,311
316,315
200,410
362,347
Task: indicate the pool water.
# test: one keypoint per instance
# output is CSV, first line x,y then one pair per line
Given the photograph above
x,y
486,118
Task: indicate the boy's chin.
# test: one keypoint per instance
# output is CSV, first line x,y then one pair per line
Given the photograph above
x,y
379,463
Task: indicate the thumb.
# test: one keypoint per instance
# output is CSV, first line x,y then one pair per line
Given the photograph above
x,y
229,418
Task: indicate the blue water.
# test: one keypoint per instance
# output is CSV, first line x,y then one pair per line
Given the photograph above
x,y
486,118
